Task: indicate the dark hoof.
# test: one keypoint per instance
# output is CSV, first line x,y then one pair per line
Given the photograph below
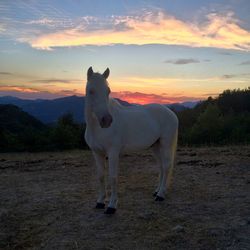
x,y
155,194
100,205
110,210
159,198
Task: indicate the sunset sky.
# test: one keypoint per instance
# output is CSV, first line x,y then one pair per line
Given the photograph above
x,y
157,51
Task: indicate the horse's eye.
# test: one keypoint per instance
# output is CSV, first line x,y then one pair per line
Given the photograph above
x,y
91,92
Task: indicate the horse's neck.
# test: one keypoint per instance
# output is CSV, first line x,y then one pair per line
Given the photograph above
x,y
89,116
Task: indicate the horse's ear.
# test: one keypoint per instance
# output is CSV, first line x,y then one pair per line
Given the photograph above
x,y
89,73
106,73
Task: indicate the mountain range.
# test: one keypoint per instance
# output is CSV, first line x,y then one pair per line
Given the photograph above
x,y
48,111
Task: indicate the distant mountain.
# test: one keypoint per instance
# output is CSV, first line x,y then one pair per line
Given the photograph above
x,y
14,100
176,107
190,104
48,111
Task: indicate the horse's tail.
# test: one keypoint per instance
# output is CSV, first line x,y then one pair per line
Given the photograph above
x,y
173,160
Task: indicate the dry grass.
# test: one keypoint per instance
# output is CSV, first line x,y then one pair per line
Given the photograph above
x,y
47,201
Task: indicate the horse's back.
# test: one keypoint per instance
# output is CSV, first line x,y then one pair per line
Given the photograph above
x,y
167,120
151,113
142,125
162,114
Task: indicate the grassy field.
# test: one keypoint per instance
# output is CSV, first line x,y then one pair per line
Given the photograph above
x,y
47,202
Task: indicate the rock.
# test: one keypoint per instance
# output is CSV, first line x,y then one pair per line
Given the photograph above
x,y
244,223
146,216
178,229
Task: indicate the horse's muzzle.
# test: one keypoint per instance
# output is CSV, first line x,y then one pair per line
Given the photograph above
x,y
106,121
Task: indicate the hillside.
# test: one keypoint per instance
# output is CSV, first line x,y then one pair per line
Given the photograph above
x,y
216,121
15,120
48,111
19,131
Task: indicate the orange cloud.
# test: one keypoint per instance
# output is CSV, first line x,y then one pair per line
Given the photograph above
x,y
32,93
18,89
219,31
142,98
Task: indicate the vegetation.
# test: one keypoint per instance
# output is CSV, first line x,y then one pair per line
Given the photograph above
x,y
221,120
216,121
20,131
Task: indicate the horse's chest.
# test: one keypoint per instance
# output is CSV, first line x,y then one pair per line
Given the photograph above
x,y
96,142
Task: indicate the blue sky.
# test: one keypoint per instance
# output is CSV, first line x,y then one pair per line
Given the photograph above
x,y
157,51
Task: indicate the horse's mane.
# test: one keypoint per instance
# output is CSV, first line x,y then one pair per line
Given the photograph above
x,y
114,103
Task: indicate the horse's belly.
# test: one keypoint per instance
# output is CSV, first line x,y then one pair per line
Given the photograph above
x,y
140,134
132,147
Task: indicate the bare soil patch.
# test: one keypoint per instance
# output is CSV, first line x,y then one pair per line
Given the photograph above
x,y
47,202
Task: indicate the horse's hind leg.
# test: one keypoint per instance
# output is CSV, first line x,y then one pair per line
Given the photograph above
x,y
157,154
167,151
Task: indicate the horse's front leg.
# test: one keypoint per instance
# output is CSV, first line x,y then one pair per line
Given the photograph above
x,y
113,160
100,164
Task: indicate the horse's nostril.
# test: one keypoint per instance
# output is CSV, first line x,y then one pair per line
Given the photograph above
x,y
106,121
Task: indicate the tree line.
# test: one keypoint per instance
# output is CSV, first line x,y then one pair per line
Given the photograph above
x,y
215,121
65,134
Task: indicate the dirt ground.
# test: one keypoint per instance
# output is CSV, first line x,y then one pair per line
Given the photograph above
x,y
47,202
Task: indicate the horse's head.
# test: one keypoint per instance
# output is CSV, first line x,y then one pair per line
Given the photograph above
x,y
97,96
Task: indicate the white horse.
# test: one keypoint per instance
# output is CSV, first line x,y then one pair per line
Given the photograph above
x,y
113,128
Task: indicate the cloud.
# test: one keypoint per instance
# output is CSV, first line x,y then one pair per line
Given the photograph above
x,y
143,98
245,63
51,81
34,93
2,28
56,80
228,76
182,61
219,30
225,53
27,95
5,73
240,76
45,22
18,89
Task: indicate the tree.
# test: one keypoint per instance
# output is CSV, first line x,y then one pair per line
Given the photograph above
x,y
207,129
67,134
